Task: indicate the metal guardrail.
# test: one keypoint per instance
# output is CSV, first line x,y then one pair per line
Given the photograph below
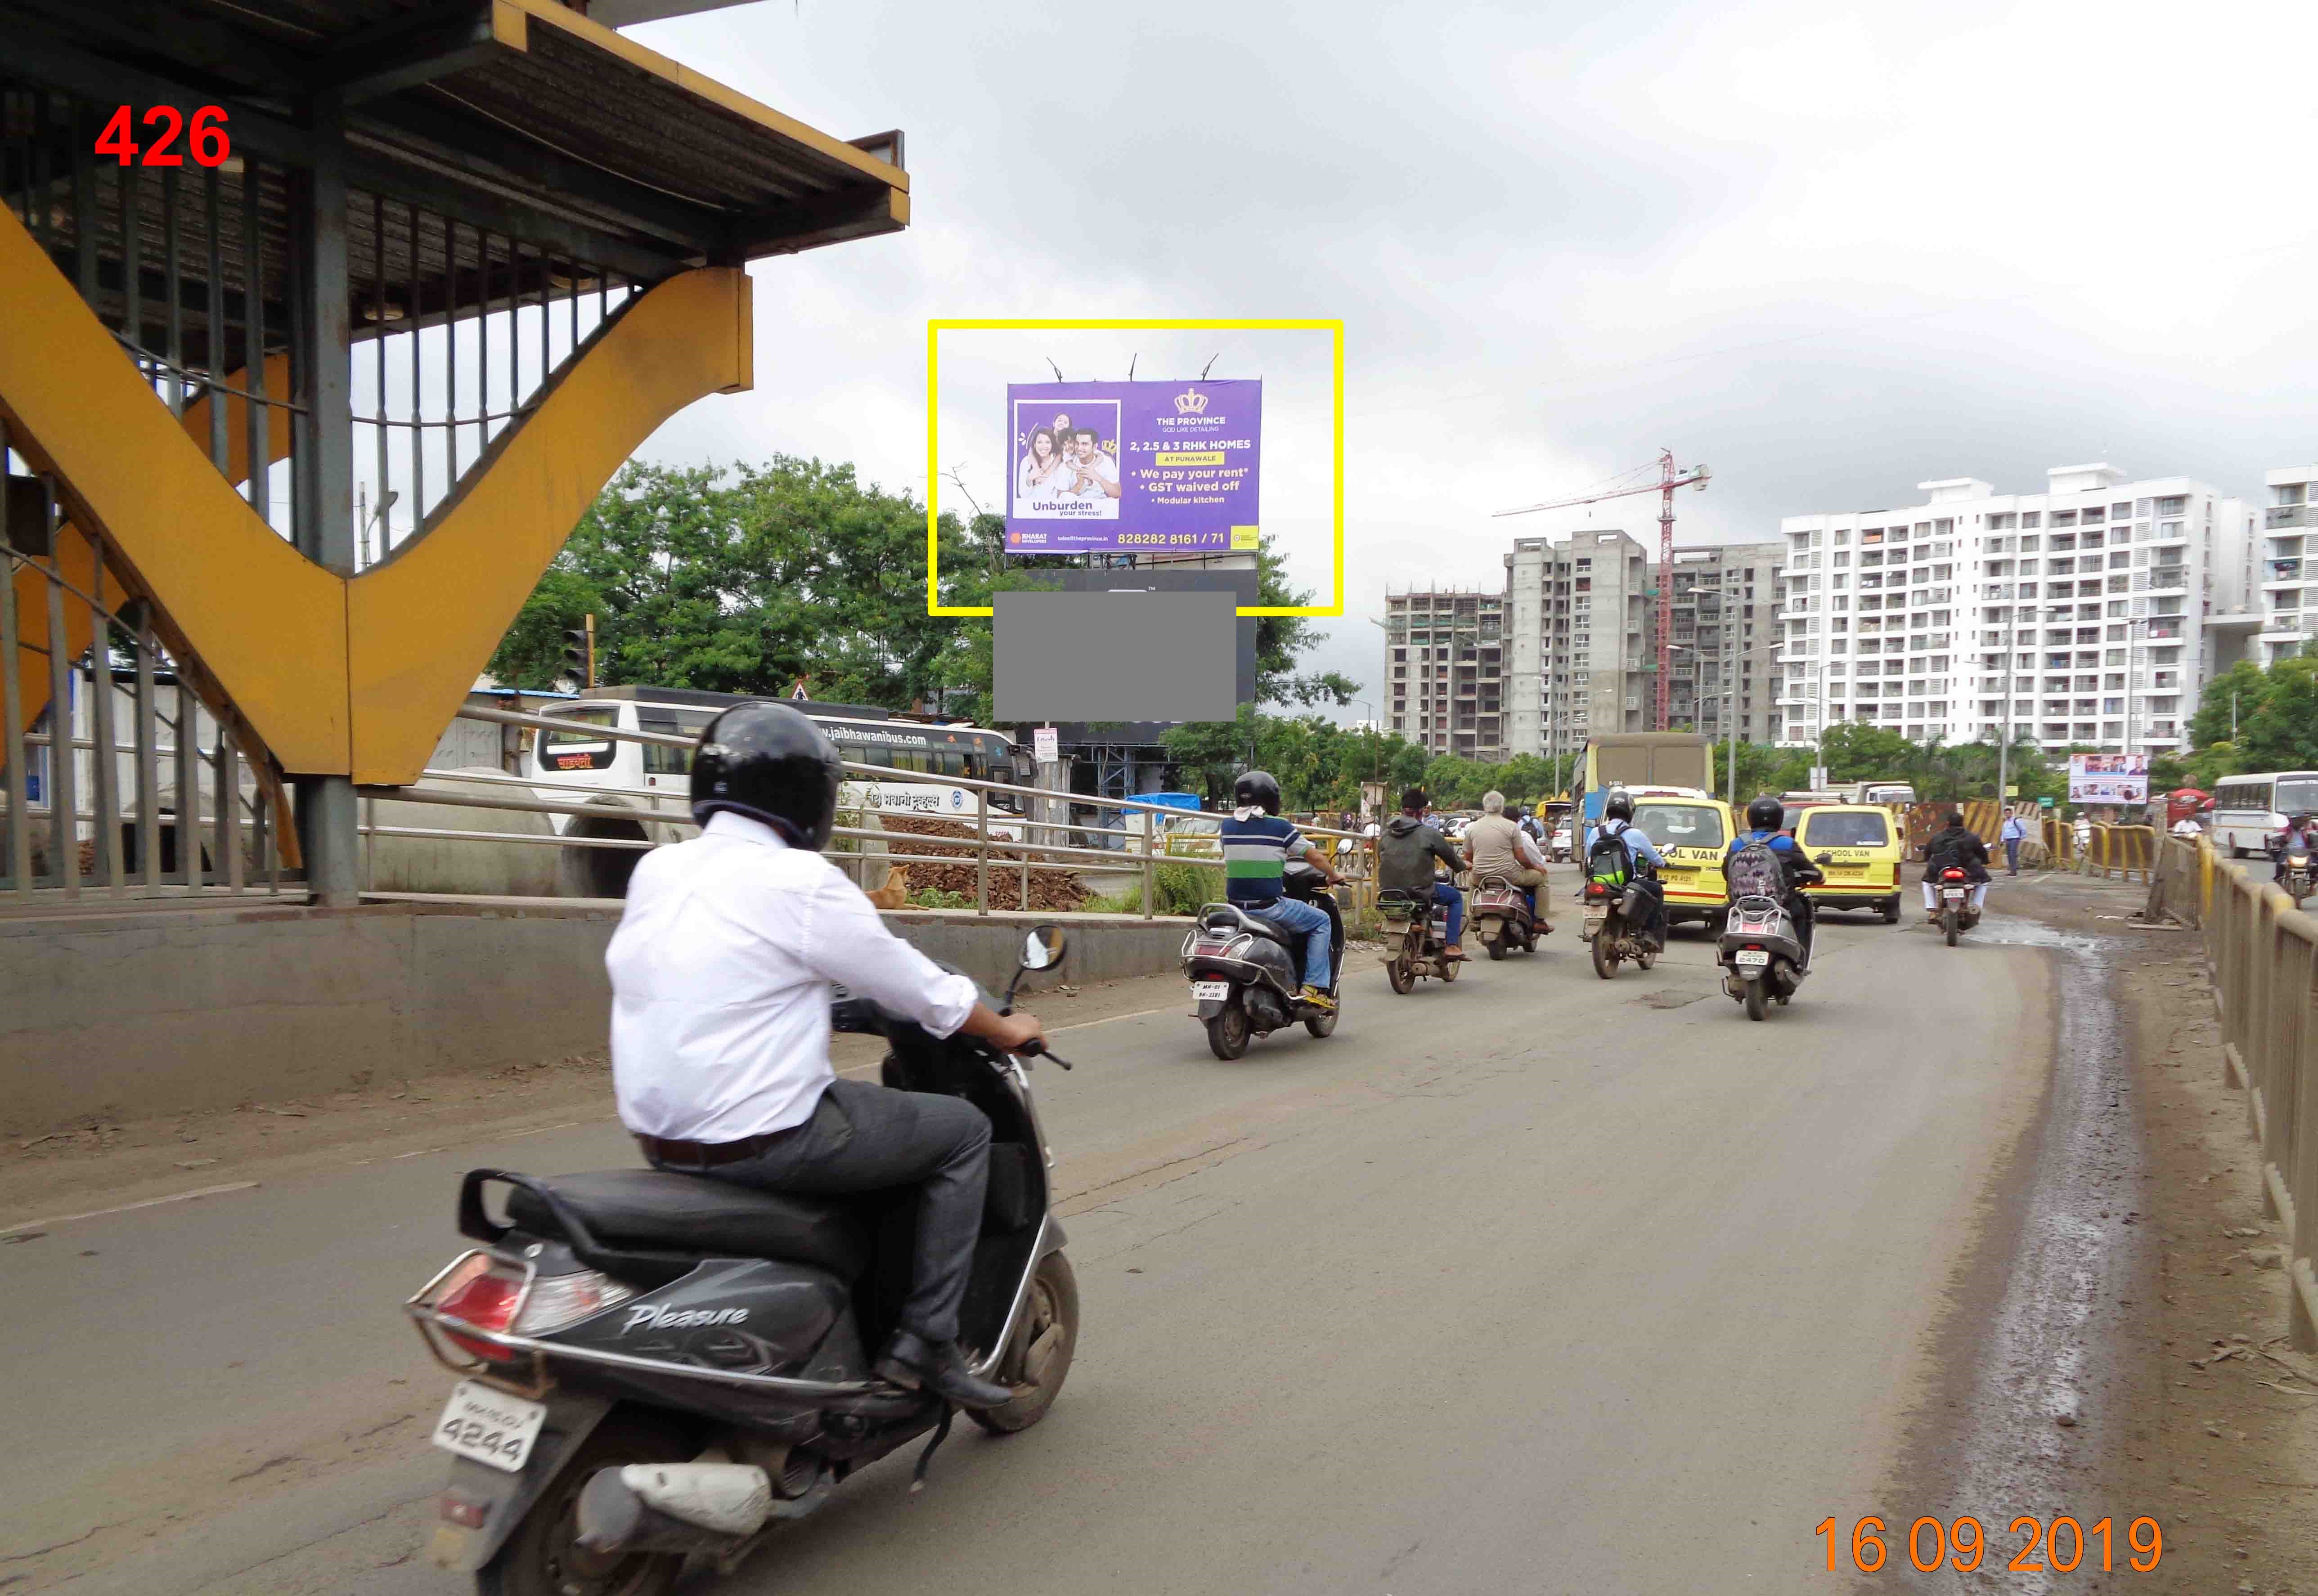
x,y
1039,836
2262,958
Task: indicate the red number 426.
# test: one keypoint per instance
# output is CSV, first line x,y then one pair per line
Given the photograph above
x,y
208,138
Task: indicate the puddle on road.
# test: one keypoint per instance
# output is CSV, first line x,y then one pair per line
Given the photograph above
x,y
2029,1422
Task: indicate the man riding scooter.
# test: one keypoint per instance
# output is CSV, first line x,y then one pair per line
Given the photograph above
x,y
1404,858
1765,817
1954,844
721,974
1497,849
1617,821
1257,845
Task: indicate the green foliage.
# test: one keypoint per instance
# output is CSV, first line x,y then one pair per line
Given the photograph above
x,y
2276,722
743,580
1178,888
936,898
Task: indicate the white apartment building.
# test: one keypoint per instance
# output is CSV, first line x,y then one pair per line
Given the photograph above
x,y
2285,580
2074,615
1445,671
1581,633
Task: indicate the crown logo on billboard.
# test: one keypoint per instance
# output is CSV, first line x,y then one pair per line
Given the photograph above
x,y
1190,402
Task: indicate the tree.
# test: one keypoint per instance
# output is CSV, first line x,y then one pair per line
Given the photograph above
x,y
2282,732
743,580
2229,701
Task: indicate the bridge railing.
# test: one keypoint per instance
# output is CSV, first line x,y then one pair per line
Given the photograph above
x,y
1029,842
2262,952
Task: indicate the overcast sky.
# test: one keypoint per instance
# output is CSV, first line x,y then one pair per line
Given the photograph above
x,y
1829,250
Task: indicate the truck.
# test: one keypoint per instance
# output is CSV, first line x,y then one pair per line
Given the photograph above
x,y
1665,760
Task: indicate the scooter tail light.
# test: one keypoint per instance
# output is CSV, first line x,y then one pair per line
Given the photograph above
x,y
559,1300
483,1294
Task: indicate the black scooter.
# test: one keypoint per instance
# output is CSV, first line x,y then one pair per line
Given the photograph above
x,y
654,1365
1245,972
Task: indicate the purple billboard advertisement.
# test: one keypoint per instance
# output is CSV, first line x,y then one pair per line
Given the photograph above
x,y
1133,468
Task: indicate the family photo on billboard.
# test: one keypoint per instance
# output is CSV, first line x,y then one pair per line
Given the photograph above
x,y
1066,461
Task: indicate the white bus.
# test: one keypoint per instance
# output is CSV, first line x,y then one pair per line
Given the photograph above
x,y
645,779
2248,809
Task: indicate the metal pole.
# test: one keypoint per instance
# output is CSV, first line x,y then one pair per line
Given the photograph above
x,y
981,853
329,821
1150,866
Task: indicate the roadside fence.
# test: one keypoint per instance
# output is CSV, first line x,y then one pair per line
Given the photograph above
x,y
1006,837
2262,956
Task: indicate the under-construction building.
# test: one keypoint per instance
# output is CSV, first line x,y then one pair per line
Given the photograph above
x,y
1445,671
1724,635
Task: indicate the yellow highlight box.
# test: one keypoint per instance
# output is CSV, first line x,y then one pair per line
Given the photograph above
x,y
1243,538
1204,457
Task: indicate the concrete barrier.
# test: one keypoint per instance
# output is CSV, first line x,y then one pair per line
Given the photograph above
x,y
128,1015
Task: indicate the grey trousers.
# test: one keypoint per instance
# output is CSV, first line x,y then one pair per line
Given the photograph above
x,y
865,1138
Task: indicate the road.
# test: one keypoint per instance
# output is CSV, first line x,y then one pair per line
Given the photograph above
x,y
1533,1283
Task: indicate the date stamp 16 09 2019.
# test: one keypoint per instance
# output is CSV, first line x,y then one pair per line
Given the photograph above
x,y
2062,1545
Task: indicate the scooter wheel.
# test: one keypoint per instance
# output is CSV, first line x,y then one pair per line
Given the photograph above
x,y
1227,1032
1449,968
1497,946
1322,1025
1756,1006
1042,1356
1646,958
1605,959
1402,977
544,1556
1948,926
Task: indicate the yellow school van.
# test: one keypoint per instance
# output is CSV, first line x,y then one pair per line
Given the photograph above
x,y
1692,830
1859,848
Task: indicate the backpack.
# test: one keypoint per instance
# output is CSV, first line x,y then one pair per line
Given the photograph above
x,y
1754,872
1609,860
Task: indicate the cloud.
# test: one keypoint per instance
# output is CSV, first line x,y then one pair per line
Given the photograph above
x,y
1830,250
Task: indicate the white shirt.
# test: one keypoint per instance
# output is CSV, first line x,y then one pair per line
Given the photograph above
x,y
720,972
1099,466
2186,827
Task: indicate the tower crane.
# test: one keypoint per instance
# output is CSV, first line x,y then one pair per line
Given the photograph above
x,y
1670,476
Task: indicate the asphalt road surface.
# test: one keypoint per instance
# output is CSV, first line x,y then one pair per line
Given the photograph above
x,y
1533,1283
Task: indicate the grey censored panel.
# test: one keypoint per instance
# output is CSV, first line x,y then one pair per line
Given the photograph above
x,y
1114,656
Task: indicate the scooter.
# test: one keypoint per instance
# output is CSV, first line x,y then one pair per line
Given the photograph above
x,y
1423,926
2293,874
1613,927
1245,972
1502,917
1761,955
1954,891
654,1365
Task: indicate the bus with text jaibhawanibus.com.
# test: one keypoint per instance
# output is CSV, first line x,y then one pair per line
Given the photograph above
x,y
658,778
2249,810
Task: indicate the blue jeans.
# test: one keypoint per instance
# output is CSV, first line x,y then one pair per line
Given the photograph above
x,y
1297,917
2012,855
1446,893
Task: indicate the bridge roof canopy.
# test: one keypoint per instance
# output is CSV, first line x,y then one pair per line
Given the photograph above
x,y
523,116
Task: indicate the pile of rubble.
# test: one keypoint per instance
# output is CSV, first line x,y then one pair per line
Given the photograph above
x,y
1053,891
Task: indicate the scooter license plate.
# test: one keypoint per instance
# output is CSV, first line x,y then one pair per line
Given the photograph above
x,y
1749,957
1210,991
1594,917
489,1426
1954,894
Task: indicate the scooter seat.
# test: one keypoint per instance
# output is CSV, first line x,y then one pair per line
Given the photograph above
x,y
664,1210
1224,917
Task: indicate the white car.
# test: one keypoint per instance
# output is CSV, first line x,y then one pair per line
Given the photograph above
x,y
1558,848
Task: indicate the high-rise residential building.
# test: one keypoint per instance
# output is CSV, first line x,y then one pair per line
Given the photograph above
x,y
2078,614
1581,629
2285,581
1445,671
1724,659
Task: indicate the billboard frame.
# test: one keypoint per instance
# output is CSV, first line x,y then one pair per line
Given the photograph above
x,y
935,327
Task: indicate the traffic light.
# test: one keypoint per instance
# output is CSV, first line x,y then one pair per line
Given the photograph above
x,y
575,655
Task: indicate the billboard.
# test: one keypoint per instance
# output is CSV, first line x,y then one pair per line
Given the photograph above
x,y
1133,468
2109,778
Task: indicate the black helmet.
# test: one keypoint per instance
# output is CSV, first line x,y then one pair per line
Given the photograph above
x,y
1766,814
770,763
1257,787
1619,805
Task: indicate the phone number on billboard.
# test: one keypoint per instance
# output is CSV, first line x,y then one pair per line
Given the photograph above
x,y
1175,540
